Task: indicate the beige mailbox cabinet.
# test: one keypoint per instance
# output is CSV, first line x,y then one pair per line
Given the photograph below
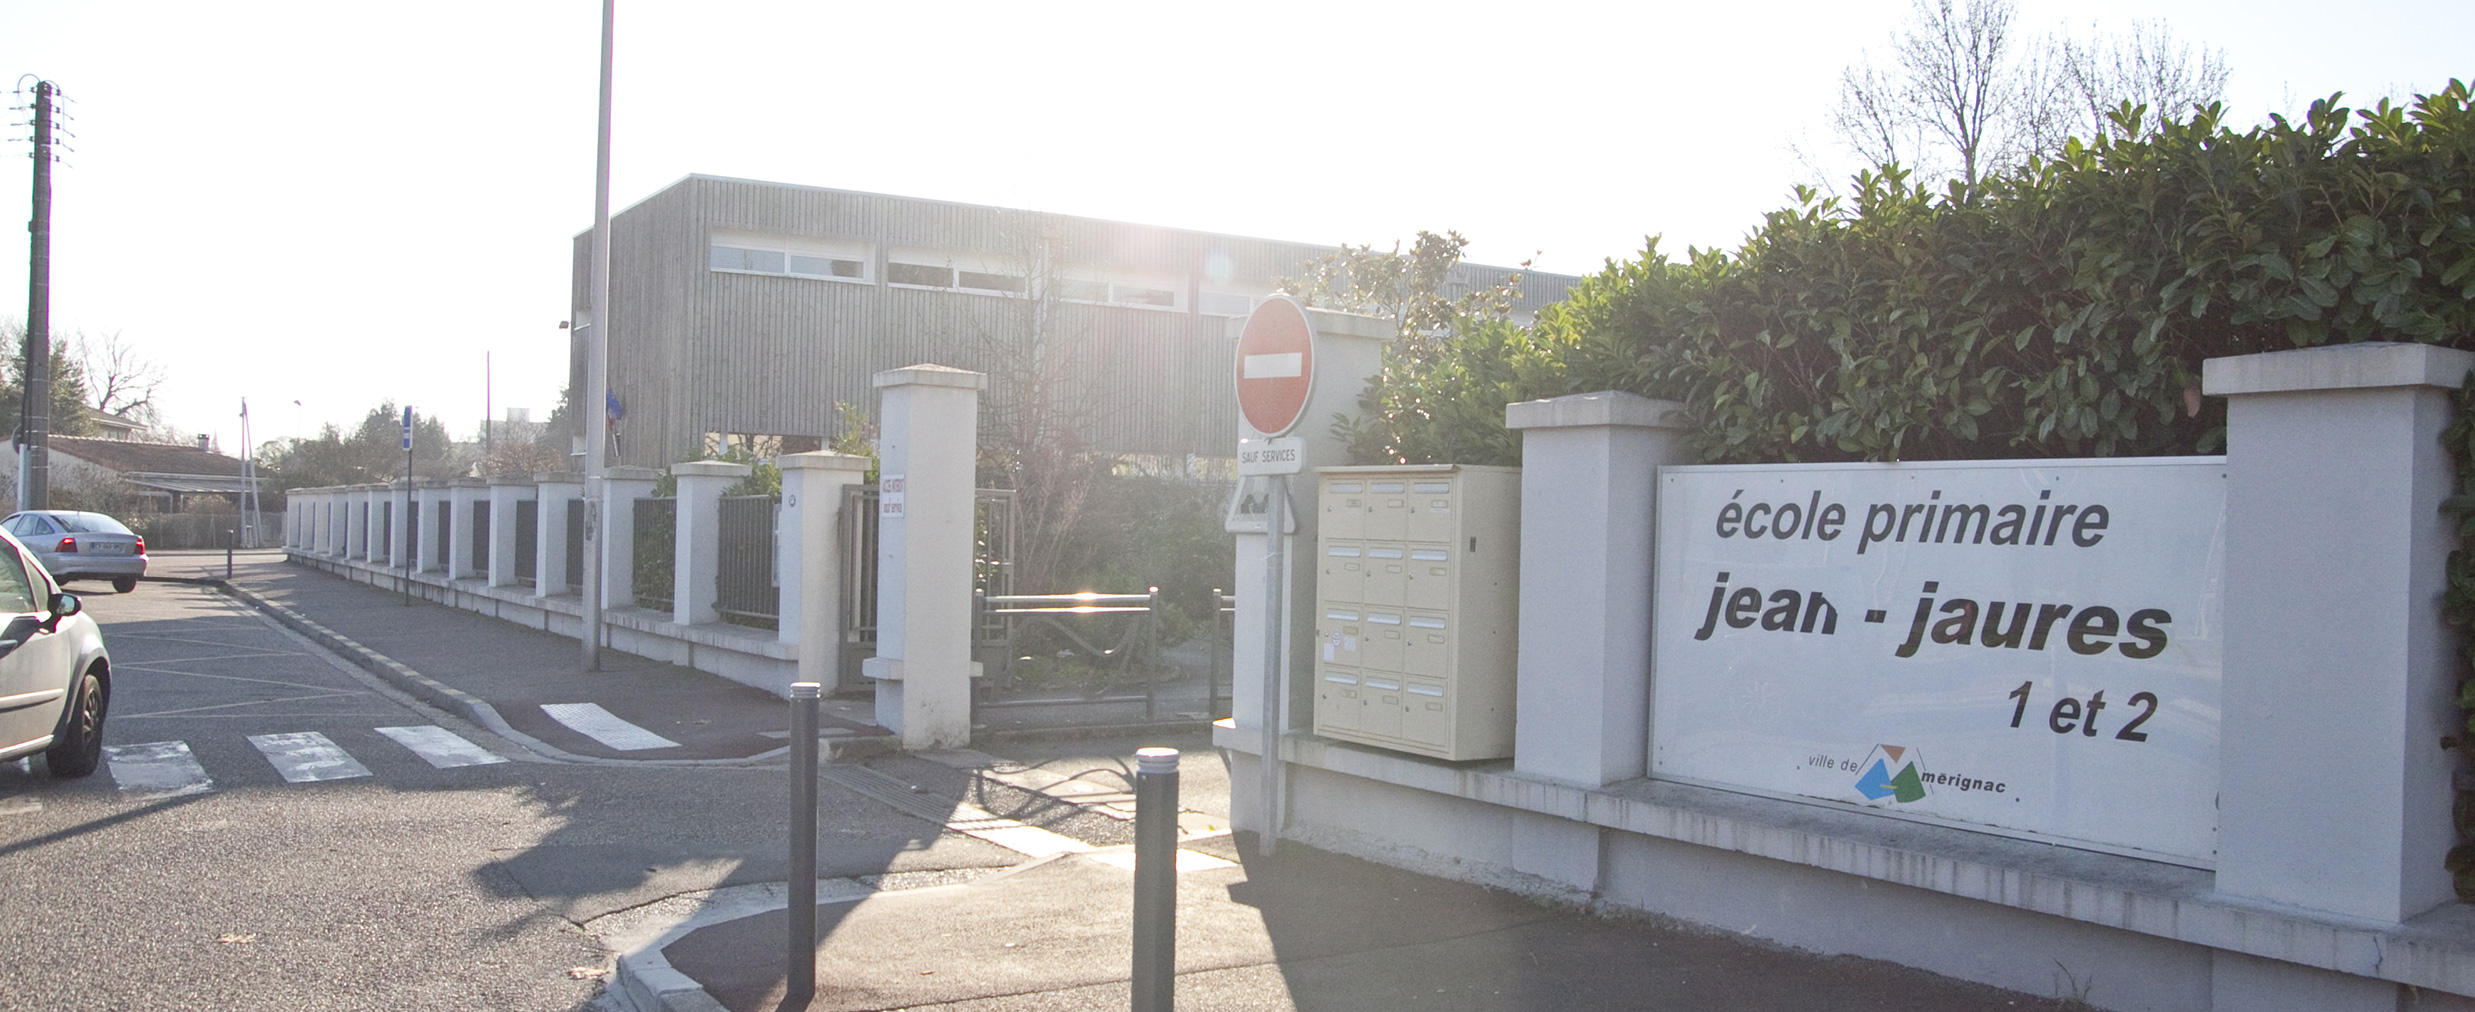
x,y
1416,607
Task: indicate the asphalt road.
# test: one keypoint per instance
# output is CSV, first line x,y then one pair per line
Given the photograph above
x,y
408,886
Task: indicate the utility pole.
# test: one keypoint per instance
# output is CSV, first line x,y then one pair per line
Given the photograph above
x,y
596,406
35,408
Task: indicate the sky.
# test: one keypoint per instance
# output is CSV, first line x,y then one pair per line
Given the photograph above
x,y
319,207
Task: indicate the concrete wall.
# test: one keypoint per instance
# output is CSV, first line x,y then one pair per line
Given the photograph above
x,y
2329,892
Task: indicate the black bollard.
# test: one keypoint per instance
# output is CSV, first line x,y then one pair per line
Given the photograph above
x,y
1155,879
801,967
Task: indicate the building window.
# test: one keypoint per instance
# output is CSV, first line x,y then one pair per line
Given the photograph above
x,y
987,282
924,275
1081,291
749,253
761,261
1142,295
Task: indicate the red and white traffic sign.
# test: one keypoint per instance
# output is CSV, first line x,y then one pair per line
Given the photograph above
x,y
1275,365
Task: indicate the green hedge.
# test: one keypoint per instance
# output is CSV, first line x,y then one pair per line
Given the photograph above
x,y
2062,309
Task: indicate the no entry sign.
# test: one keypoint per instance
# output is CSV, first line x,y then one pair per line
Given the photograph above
x,y
1275,365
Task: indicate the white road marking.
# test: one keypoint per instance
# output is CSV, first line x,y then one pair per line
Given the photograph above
x,y
590,720
20,806
973,821
165,767
440,747
307,756
1187,860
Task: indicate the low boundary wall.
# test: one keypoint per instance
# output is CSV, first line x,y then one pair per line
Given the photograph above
x,y
2327,890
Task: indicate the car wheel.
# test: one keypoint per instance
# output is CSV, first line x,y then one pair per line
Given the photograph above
x,y
124,584
79,749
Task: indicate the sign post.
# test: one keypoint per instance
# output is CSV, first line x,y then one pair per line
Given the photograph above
x,y
402,512
1275,374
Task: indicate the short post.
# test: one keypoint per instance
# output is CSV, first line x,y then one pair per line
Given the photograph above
x,y
802,954
1155,879
228,538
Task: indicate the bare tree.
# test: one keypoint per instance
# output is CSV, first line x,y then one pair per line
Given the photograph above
x,y
1959,88
120,379
1967,95
1042,354
2146,68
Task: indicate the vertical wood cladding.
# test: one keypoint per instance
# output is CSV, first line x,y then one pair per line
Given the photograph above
x,y
695,350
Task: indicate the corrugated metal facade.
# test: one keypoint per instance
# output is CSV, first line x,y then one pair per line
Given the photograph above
x,y
695,350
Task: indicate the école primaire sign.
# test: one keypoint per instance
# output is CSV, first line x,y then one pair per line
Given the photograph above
x,y
2030,647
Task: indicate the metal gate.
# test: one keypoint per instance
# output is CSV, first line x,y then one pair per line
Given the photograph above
x,y
747,592
992,572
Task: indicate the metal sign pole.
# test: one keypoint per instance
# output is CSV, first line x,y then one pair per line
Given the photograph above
x,y
396,532
1275,653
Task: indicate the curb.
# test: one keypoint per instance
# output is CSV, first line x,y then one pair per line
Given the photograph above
x,y
480,711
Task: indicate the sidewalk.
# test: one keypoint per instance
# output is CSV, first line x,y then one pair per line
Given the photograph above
x,y
1306,930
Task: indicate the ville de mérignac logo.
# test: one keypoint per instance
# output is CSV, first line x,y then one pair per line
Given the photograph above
x,y
1892,773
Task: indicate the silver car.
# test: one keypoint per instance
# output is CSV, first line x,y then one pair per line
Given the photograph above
x,y
81,546
55,679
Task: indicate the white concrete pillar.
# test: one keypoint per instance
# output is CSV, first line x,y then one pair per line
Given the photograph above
x,y
399,533
697,545
463,494
2335,791
621,487
927,446
1589,463
428,553
506,490
550,537
811,563
339,522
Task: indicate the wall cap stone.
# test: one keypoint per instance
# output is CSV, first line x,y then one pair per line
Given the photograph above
x,y
822,460
558,478
1605,407
2337,367
711,468
625,472
931,376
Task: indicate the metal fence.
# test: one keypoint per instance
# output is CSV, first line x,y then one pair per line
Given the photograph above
x,y
657,525
481,537
1091,648
746,591
412,535
575,545
382,532
528,540
170,531
992,570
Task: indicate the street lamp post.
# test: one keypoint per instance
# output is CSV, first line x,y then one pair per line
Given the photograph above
x,y
596,376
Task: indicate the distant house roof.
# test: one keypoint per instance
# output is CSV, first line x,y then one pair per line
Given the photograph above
x,y
169,467
132,457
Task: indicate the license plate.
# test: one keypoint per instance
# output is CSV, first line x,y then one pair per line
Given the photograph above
x,y
109,548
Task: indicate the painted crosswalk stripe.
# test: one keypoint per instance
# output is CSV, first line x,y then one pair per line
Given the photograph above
x,y
307,756
590,720
440,747
163,767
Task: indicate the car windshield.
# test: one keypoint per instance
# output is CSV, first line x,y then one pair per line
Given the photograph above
x,y
90,523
